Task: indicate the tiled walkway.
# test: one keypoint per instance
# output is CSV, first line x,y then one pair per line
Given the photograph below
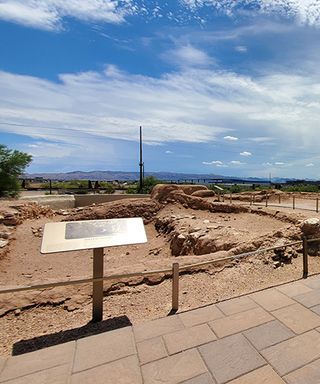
x,y
270,337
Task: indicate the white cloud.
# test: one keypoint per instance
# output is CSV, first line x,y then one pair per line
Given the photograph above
x,y
267,164
169,152
236,162
245,153
310,165
303,11
217,163
241,49
279,163
231,138
48,14
187,56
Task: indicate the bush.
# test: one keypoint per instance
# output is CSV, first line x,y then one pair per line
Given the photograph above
x,y
12,165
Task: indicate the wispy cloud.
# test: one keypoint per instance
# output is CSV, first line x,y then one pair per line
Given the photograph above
x,y
187,56
216,163
241,49
310,165
245,153
48,14
231,138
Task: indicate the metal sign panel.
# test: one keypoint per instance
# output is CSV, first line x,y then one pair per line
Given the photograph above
x,y
89,234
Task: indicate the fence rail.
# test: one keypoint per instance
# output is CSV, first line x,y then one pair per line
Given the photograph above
x,y
174,271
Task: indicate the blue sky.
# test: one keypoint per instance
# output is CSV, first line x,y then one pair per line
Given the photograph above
x,y
225,87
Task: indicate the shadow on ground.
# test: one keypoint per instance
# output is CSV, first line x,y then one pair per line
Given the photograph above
x,y
36,343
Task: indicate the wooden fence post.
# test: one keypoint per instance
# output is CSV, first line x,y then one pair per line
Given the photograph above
x,y
230,198
305,258
279,198
317,205
175,286
294,202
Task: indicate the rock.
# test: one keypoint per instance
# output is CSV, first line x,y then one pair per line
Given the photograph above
x,y
206,221
17,312
203,193
5,235
276,264
311,227
3,243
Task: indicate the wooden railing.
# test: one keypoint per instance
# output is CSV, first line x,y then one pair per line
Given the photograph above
x,y
174,271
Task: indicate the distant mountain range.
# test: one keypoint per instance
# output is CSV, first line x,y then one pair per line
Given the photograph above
x,y
128,176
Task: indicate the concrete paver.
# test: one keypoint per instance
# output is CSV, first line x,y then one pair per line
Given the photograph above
x,y
124,371
200,316
271,299
230,357
188,338
240,322
264,375
157,327
56,375
2,363
312,282
100,349
294,289
309,374
151,349
174,369
239,304
298,318
294,353
40,360
206,378
272,336
309,299
268,334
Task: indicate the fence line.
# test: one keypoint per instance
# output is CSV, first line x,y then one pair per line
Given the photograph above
x,y
149,273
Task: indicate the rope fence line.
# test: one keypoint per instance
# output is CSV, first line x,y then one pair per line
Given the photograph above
x,y
174,271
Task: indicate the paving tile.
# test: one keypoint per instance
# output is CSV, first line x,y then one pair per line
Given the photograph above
x,y
298,318
268,334
309,299
239,304
206,378
271,299
312,282
123,371
316,309
2,362
230,357
200,315
42,359
157,327
240,322
264,375
188,338
293,353
56,375
309,374
294,289
103,348
151,349
174,369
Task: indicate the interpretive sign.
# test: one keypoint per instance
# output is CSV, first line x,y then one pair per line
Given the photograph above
x,y
89,234
93,234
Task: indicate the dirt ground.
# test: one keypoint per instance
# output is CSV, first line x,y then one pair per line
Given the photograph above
x,y
35,319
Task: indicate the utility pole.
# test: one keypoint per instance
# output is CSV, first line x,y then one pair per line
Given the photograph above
x,y
141,163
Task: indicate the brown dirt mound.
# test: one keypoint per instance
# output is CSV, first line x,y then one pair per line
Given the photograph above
x,y
203,193
160,192
145,208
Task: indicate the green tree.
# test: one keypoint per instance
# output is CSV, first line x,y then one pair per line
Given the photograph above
x,y
12,165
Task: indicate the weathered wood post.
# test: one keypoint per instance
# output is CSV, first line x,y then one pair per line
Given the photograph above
x,y
317,205
175,286
279,198
266,199
305,257
230,198
294,202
